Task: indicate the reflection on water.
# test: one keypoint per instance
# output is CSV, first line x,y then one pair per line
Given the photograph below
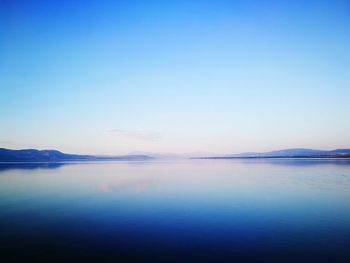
x,y
300,161
131,184
8,166
276,210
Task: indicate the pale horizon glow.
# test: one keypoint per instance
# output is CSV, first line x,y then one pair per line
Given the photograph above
x,y
218,77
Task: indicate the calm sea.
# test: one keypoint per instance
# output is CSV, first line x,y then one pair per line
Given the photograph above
x,y
176,211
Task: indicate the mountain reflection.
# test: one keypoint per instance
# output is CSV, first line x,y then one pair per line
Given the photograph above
x,y
273,161
29,166
299,162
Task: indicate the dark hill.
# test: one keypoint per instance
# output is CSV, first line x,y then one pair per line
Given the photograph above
x,y
33,155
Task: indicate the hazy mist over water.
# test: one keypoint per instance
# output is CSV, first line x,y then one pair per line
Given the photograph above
x,y
188,210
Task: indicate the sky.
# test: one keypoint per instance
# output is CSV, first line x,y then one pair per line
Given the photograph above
x,y
114,77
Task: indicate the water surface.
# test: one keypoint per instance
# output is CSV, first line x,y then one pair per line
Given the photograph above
x,y
176,211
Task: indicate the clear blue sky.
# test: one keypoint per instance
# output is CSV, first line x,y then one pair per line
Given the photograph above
x,y
174,76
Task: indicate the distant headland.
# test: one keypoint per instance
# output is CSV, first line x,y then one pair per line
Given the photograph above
x,y
33,155
287,153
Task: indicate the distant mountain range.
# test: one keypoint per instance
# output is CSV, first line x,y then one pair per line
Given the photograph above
x,y
32,155
290,153
169,155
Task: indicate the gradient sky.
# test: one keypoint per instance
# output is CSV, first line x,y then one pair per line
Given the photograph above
x,y
112,77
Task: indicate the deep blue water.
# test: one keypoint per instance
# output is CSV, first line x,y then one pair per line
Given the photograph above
x,y
176,211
